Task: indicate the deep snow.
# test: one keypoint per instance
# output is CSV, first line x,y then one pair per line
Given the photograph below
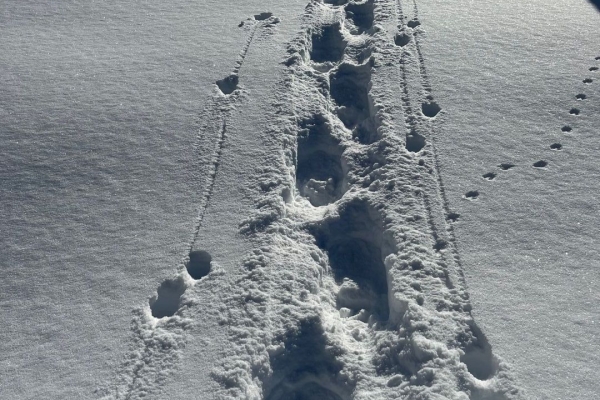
x,y
330,242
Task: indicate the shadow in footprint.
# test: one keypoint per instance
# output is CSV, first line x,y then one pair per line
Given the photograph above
x,y
306,369
199,264
596,4
361,14
328,44
472,195
168,298
354,243
490,176
229,84
478,356
319,172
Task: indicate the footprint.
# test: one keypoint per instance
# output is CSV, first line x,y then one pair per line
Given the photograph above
x,y
199,265
328,44
556,146
430,109
581,96
574,111
168,298
319,171
413,23
229,84
354,242
490,176
566,128
263,16
593,69
506,166
402,39
453,217
415,142
540,164
361,14
306,367
472,195
588,80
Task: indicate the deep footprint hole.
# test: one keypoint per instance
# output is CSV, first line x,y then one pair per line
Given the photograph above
x,y
540,164
453,217
350,85
229,84
581,96
556,146
430,109
415,142
574,111
328,44
566,128
413,23
593,69
199,265
506,166
361,14
402,39
168,298
472,195
588,80
263,16
306,368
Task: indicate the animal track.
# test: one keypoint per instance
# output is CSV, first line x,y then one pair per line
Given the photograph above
x,y
588,80
350,85
402,39
540,164
430,109
556,146
593,69
566,128
574,111
306,367
472,195
328,44
581,96
168,298
490,176
361,14
506,166
453,217
319,171
353,242
229,84
199,265
414,142
413,23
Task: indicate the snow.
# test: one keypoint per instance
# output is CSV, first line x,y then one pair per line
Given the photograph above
x,y
318,199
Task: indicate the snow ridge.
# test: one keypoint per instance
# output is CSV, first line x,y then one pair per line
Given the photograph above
x,y
356,290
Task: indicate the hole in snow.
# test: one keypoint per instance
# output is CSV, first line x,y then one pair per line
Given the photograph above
x,y
353,242
229,84
453,217
414,142
430,109
199,265
490,176
168,298
413,23
574,111
472,195
319,172
540,164
566,128
593,69
588,80
306,369
581,96
478,356
361,14
328,44
350,85
402,39
263,16
556,146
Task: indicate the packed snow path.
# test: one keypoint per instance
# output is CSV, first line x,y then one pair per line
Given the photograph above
x,y
354,286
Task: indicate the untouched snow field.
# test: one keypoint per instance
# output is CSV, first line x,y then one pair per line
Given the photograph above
x,y
375,199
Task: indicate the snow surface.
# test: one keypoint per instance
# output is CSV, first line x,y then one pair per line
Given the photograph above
x,y
294,198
